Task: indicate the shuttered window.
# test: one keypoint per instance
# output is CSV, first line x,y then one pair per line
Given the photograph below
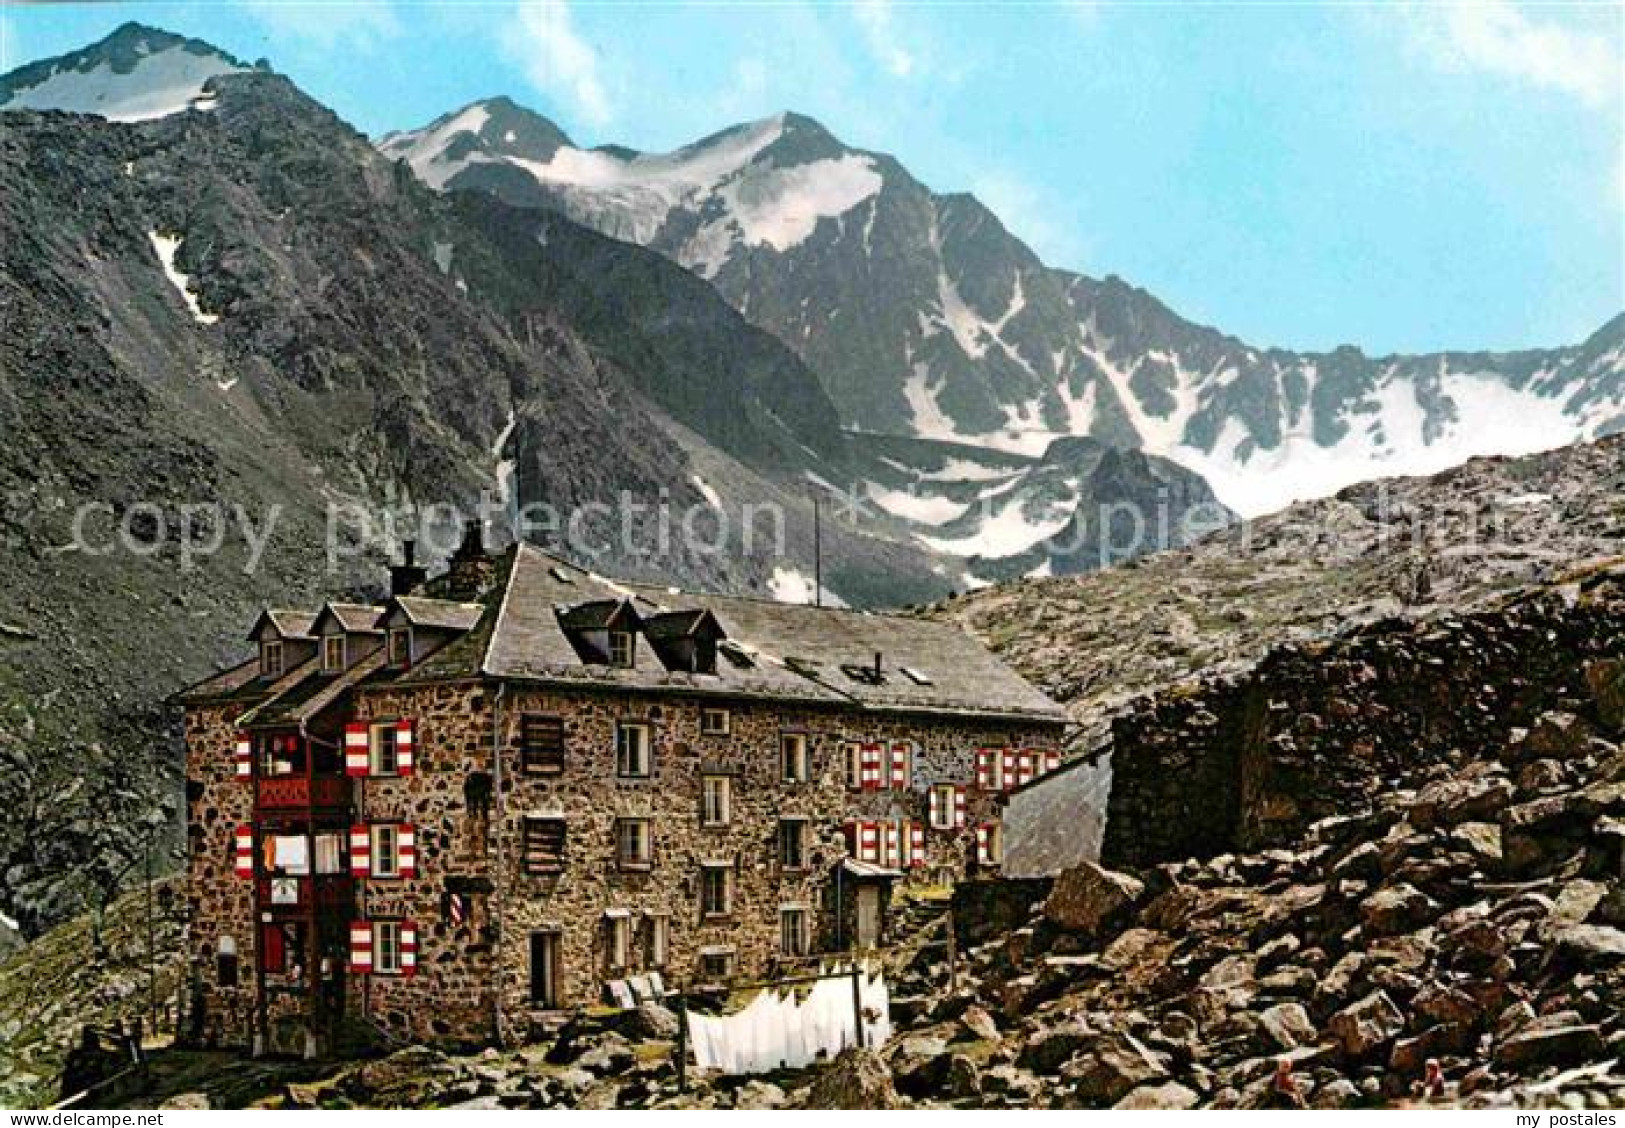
x,y
793,764
795,934
632,751
544,845
793,843
541,744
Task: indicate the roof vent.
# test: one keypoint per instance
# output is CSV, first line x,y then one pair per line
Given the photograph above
x,y
561,575
916,676
736,655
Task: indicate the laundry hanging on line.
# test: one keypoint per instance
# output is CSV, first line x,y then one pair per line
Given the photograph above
x,y
787,1029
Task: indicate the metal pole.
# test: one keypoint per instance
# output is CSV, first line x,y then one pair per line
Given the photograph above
x,y
682,1043
152,955
857,1006
818,552
953,953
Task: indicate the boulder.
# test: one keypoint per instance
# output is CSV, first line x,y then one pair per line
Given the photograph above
x,y
1366,1026
918,1064
653,1021
979,1025
961,1079
759,1095
1047,1050
857,1079
1111,1065
1390,912
1554,736
1559,1045
1090,899
1445,803
1168,1095
1288,1026
1592,945
1606,679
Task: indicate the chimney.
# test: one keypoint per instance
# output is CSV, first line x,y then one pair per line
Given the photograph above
x,y
877,665
406,577
471,569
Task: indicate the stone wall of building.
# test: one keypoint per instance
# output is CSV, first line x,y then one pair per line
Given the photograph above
x,y
469,974
1317,728
221,905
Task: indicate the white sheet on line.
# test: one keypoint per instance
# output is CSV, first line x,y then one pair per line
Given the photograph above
x,y
791,1029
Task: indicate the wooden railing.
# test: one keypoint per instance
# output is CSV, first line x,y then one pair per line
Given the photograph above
x,y
291,792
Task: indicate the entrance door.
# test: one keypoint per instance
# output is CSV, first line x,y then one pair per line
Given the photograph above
x,y
868,916
544,969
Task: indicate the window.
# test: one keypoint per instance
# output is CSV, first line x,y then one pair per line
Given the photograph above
x,y
793,765
632,750
854,766
400,646
383,755
944,804
716,800
793,843
386,850
716,964
617,939
621,648
633,846
714,722
386,947
225,962
333,652
541,744
656,939
286,855
716,891
795,932
544,845
544,969
271,659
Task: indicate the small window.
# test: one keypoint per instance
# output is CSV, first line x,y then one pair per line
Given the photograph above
x,y
716,800
944,804
854,766
716,966
634,848
618,940
400,647
544,845
793,765
271,659
716,891
333,653
225,962
622,648
656,939
386,850
795,932
793,844
714,722
632,750
383,754
541,744
386,947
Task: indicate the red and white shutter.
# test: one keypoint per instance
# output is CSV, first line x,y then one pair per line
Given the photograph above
x,y
872,764
407,849
405,746
243,755
983,766
916,845
245,851
1007,778
356,758
1052,760
409,948
894,845
360,851
982,836
935,814
1026,768
959,805
360,947
868,841
899,766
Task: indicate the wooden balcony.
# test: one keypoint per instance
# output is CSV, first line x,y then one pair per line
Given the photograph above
x,y
299,896
285,793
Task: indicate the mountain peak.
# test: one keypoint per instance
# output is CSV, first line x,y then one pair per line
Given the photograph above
x,y
136,73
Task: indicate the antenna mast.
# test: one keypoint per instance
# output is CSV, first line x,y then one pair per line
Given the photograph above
x,y
818,551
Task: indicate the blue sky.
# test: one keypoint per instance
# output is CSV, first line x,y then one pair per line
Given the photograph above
x,y
1398,175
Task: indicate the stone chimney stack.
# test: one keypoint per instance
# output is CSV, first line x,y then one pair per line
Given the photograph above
x,y
406,577
472,568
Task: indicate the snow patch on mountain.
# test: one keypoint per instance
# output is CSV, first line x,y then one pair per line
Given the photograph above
x,y
159,84
780,207
166,246
712,498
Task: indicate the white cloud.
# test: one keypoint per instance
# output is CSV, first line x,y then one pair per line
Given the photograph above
x,y
880,33
1499,37
557,60
357,26
1030,215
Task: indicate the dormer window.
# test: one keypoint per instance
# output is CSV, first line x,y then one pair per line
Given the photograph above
x,y
271,658
400,647
622,647
333,653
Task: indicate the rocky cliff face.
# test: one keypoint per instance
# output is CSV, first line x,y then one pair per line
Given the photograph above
x,y
925,316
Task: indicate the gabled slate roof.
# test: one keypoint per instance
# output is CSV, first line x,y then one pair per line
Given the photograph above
x,y
354,618
288,623
441,614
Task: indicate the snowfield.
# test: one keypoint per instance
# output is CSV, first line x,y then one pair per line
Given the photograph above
x,y
160,84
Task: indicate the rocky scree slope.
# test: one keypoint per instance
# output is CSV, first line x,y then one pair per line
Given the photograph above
x,y
925,316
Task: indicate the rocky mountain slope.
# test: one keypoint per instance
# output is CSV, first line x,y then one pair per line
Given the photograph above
x,y
925,316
